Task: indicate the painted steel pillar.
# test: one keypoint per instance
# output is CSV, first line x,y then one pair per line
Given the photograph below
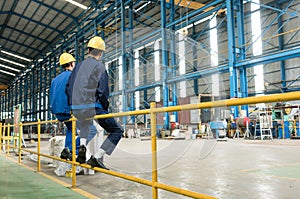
x,y
6,103
165,61
76,49
195,64
157,69
145,82
82,49
241,49
131,59
173,57
16,93
103,37
49,74
40,93
137,79
232,54
26,99
124,65
281,47
33,90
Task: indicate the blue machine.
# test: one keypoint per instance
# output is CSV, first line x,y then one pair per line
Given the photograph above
x,y
219,129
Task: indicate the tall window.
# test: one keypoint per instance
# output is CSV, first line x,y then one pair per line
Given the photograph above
x,y
257,45
213,36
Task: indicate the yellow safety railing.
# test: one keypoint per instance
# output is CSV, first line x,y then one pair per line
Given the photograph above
x,y
7,136
152,111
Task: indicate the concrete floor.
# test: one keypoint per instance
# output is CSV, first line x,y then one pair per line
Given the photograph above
x,y
234,169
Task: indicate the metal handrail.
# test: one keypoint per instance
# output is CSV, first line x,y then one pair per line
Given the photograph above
x,y
153,111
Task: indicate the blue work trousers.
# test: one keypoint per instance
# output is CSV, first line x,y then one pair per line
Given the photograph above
x,y
68,141
110,125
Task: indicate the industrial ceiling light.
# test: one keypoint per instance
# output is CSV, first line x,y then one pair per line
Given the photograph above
x,y
10,68
12,62
17,56
2,71
77,4
141,7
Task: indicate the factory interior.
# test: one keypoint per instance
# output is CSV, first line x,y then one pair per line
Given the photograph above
x,y
207,94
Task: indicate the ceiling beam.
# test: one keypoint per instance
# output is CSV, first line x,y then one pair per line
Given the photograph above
x,y
193,5
25,33
55,9
31,20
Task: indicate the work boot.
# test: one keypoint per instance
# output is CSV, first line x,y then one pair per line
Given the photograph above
x,y
94,162
81,158
66,154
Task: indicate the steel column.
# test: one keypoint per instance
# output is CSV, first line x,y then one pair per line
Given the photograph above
x,y
241,44
165,61
131,59
123,46
281,47
195,64
232,54
173,57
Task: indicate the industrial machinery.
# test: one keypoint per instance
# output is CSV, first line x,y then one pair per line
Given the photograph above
x,y
219,129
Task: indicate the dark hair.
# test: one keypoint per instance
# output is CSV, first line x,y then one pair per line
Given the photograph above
x,y
94,51
66,65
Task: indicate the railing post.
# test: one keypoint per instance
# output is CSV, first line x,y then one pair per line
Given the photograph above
x,y
1,136
39,146
154,150
73,119
8,141
20,140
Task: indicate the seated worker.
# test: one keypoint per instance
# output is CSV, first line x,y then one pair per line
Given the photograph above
x,y
59,103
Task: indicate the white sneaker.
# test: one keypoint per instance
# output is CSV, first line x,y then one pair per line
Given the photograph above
x,y
79,170
88,171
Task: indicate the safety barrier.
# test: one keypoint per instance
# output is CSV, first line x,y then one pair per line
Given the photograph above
x,y
152,111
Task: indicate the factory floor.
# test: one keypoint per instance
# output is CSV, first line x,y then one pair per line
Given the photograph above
x,y
236,168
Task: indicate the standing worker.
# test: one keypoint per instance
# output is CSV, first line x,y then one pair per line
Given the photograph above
x,y
59,103
88,94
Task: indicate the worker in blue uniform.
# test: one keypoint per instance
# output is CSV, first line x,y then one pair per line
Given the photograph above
x,y
59,103
88,94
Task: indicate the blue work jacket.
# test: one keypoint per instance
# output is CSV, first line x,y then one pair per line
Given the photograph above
x,y
58,97
88,85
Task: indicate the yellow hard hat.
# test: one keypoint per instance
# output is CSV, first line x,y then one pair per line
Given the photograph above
x,y
66,58
97,43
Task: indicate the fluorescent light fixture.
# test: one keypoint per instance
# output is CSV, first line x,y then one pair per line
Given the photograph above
x,y
17,56
140,8
11,74
10,68
12,62
203,20
77,4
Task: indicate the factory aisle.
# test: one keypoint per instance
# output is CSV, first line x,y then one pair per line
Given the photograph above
x,y
233,169
19,182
